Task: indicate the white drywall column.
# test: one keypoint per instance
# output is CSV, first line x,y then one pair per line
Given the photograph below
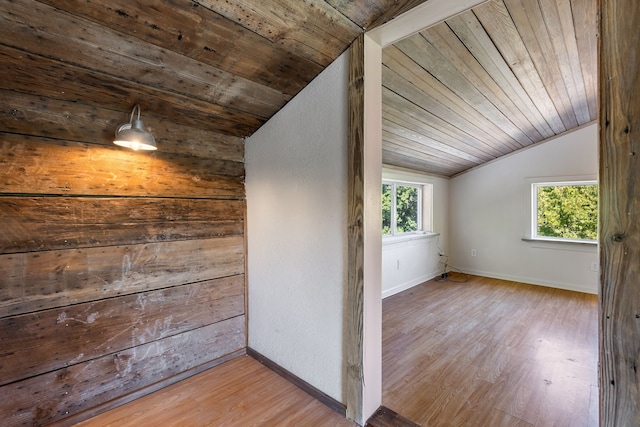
x,y
296,184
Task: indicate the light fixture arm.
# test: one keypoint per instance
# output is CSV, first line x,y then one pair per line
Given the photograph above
x,y
133,110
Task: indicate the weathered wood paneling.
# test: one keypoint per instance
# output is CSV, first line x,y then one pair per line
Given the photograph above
x,y
442,38
392,9
45,166
48,340
52,396
585,19
119,270
505,73
414,127
560,23
469,30
92,228
310,29
39,280
480,143
530,22
37,115
619,177
201,34
496,20
34,27
443,63
402,76
36,224
394,158
24,72
431,110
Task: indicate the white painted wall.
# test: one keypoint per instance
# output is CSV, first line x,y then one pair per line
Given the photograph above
x,y
488,212
372,238
296,183
406,263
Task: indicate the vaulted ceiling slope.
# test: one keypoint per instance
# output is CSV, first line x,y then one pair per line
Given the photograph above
x,y
225,66
490,81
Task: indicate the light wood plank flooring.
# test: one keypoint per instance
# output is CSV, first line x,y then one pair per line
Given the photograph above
x,y
491,353
241,393
482,353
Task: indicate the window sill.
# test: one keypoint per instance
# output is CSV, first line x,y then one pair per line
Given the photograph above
x,y
418,235
561,241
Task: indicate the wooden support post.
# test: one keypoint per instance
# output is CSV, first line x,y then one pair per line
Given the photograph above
x,y
355,281
619,96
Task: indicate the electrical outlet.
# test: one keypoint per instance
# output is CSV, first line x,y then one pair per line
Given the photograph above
x,y
473,252
594,266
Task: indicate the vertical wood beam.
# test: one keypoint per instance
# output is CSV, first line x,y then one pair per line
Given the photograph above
x,y
364,295
619,95
355,236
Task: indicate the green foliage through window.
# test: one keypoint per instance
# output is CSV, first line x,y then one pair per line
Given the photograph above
x,y
387,189
406,209
400,208
567,211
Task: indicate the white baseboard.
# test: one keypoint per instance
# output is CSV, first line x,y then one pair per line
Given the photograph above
x,y
513,278
533,281
409,284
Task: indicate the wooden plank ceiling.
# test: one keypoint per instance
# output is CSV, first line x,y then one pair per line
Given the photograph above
x,y
224,66
492,80
507,74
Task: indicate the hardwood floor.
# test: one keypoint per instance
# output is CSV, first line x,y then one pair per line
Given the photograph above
x,y
491,353
241,393
482,353
385,417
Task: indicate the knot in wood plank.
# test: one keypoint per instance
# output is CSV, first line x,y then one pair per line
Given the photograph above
x,y
618,237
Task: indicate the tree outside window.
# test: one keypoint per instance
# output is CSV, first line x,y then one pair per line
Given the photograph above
x,y
401,208
566,210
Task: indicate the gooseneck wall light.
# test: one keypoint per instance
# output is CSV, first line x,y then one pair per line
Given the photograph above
x,y
133,135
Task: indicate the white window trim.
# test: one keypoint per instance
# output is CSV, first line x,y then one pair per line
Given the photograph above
x,y
421,208
531,232
406,237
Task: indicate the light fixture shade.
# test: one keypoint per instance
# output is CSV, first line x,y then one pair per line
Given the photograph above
x,y
133,135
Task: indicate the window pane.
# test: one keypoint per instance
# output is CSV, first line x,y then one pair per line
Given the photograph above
x,y
568,211
406,209
386,209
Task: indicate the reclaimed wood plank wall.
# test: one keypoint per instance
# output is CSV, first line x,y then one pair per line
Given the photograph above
x,y
120,271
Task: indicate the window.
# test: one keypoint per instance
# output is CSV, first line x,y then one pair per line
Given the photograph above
x,y
401,208
564,210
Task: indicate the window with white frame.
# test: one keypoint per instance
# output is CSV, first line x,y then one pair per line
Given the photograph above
x,y
403,209
564,210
